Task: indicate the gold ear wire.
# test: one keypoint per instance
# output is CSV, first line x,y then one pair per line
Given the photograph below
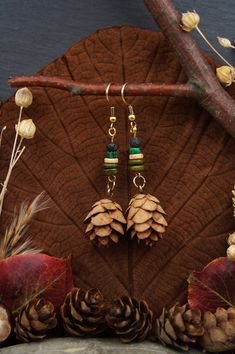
x,y
131,115
107,91
112,109
130,107
122,93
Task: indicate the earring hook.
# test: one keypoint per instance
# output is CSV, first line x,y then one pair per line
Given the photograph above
x,y
112,109
130,107
123,95
107,91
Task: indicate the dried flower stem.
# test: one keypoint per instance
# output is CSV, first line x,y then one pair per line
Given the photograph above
x,y
1,134
212,47
11,244
17,151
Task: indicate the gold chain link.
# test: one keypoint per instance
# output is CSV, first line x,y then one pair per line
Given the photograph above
x,y
139,181
111,182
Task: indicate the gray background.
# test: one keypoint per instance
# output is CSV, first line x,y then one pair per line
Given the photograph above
x,y
34,32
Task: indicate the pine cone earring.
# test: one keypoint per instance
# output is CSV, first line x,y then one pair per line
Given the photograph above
x,y
106,220
145,216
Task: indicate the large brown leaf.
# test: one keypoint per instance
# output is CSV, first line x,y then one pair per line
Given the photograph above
x,y
189,166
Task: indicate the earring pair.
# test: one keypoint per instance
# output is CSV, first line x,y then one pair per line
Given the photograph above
x,y
144,218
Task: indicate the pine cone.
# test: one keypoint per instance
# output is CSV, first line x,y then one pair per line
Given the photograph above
x,y
179,326
219,328
35,320
105,223
83,312
130,319
146,219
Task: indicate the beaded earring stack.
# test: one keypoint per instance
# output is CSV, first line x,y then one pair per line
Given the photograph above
x,y
136,156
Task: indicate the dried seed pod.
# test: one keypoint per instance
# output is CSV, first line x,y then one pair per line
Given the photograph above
x,y
23,97
5,324
26,129
189,21
231,253
219,330
224,42
225,74
231,239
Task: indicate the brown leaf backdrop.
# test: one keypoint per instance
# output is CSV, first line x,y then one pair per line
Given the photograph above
x,y
189,167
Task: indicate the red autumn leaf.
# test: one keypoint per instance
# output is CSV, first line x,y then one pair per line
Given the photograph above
x,y
214,286
25,276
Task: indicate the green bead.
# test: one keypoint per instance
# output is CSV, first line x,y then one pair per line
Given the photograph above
x,y
109,165
138,168
133,162
135,150
111,154
110,171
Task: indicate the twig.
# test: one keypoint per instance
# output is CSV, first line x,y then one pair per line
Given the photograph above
x,y
15,155
82,88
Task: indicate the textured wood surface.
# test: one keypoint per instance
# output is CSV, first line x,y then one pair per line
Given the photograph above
x,y
189,167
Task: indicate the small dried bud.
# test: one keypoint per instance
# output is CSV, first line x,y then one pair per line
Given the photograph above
x,y
231,239
26,129
23,97
225,74
189,21
5,324
224,42
231,253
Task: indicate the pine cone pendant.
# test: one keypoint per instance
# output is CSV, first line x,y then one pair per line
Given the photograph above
x,y
105,223
146,219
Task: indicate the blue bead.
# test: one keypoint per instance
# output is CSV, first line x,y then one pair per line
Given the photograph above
x,y
112,147
135,142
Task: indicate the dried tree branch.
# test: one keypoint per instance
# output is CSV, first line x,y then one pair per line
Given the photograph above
x,y
77,88
212,96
